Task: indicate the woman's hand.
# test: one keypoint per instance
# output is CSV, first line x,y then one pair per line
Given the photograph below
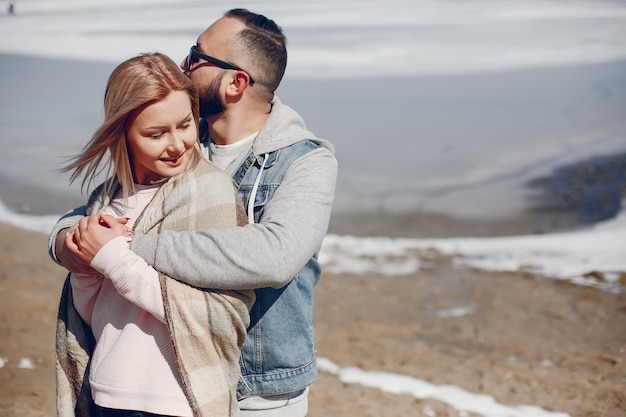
x,y
92,233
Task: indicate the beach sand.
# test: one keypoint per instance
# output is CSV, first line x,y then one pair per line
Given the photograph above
x,y
530,340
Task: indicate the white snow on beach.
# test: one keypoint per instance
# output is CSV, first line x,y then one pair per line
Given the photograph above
x,y
41,224
461,400
591,256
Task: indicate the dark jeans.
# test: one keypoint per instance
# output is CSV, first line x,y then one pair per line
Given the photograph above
x,y
109,412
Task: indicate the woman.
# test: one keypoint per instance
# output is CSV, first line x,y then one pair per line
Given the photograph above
x,y
159,347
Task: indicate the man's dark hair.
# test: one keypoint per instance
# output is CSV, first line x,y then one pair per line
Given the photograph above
x,y
265,45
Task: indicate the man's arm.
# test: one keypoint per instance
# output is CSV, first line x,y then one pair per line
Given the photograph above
x,y
56,242
268,254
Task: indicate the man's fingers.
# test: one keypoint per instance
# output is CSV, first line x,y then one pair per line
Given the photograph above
x,y
71,239
110,220
107,220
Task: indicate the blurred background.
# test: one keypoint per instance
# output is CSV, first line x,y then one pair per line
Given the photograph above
x,y
444,114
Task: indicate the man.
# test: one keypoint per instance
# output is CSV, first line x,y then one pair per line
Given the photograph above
x,y
286,177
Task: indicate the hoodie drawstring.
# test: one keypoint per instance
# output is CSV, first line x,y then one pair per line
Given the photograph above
x,y
253,193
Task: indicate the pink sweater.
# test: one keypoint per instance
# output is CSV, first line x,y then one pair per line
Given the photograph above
x,y
133,365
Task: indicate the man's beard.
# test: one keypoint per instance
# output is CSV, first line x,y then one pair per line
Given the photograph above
x,y
211,103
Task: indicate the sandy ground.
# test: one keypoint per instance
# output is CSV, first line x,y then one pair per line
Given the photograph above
x,y
530,341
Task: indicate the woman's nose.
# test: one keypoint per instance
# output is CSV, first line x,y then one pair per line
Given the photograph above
x,y
176,145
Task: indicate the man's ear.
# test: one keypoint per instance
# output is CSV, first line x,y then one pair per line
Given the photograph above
x,y
238,83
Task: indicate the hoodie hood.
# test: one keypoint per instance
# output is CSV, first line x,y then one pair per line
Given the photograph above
x,y
283,128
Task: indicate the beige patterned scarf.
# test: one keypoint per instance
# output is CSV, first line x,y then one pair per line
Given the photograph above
x,y
207,327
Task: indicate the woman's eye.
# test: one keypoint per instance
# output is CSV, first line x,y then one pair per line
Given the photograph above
x,y
156,135
185,126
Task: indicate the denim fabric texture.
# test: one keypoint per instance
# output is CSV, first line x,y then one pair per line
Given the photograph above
x,y
279,353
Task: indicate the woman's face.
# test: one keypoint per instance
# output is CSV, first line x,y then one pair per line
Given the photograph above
x,y
160,138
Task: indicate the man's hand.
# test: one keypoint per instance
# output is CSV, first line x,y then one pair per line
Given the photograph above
x,y
67,258
76,247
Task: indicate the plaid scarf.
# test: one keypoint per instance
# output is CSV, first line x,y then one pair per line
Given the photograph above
x,y
207,327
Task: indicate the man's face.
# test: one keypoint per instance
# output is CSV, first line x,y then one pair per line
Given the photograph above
x,y
211,103
206,76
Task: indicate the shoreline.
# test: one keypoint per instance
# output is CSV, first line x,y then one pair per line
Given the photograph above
x,y
414,224
39,201
420,224
573,196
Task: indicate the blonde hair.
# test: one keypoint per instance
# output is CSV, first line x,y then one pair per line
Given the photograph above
x,y
132,86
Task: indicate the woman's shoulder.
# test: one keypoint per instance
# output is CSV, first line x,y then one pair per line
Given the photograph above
x,y
205,170
205,166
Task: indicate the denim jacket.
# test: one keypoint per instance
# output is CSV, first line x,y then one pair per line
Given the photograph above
x,y
279,353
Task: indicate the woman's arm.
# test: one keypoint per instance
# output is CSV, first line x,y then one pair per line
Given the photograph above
x,y
110,256
85,289
131,276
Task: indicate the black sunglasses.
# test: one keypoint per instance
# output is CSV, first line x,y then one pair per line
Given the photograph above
x,y
194,55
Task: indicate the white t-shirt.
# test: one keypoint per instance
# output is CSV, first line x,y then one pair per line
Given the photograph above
x,y
229,157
